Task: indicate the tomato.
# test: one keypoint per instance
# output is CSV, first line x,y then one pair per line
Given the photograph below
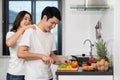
x,y
74,64
92,59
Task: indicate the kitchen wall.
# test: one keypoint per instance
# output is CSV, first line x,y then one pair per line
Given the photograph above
x,y
107,28
0,27
75,29
116,39
3,60
3,67
79,25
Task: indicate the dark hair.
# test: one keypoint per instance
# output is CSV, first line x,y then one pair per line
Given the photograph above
x,y
51,12
18,19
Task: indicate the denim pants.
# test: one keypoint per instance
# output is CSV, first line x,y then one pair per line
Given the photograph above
x,y
15,77
50,79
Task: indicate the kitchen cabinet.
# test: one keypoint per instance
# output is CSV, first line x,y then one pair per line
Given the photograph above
x,y
85,75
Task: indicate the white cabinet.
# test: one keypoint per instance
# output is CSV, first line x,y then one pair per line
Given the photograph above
x,y
85,77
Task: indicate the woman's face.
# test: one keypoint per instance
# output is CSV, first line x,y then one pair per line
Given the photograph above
x,y
26,20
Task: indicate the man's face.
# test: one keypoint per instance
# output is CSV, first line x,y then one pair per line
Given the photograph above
x,y
50,24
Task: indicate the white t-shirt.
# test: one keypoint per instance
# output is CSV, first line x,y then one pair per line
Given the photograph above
x,y
38,42
16,65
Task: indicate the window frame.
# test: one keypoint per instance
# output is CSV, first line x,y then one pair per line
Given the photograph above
x,y
5,24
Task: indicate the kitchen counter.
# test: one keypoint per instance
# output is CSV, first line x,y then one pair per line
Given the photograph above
x,y
80,72
94,75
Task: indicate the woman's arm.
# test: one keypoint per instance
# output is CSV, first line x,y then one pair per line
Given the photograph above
x,y
13,39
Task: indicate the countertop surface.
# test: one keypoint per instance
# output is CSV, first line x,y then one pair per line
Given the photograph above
x,y
81,72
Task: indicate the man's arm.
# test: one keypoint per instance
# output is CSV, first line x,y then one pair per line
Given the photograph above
x,y
25,54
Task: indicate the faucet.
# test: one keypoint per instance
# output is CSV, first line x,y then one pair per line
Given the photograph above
x,y
91,45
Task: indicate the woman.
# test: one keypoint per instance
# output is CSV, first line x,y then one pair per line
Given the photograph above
x,y
16,65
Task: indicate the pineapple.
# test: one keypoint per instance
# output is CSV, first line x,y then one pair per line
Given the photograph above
x,y
101,49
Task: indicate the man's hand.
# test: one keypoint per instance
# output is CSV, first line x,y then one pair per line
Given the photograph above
x,y
64,60
47,59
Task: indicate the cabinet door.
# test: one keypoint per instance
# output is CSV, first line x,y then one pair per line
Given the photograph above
x,y
85,77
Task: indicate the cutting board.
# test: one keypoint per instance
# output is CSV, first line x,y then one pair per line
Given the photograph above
x,y
67,69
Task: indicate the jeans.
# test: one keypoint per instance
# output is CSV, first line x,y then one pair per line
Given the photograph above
x,y
15,77
50,79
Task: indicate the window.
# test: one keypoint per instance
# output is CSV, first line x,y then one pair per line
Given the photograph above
x,y
35,7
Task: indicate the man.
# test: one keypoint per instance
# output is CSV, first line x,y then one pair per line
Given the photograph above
x,y
37,46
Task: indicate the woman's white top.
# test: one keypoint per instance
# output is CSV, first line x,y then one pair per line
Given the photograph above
x,y
16,65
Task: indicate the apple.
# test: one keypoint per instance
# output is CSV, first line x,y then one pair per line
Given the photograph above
x,y
89,63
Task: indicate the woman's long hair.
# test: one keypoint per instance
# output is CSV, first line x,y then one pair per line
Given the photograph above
x,y
18,19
